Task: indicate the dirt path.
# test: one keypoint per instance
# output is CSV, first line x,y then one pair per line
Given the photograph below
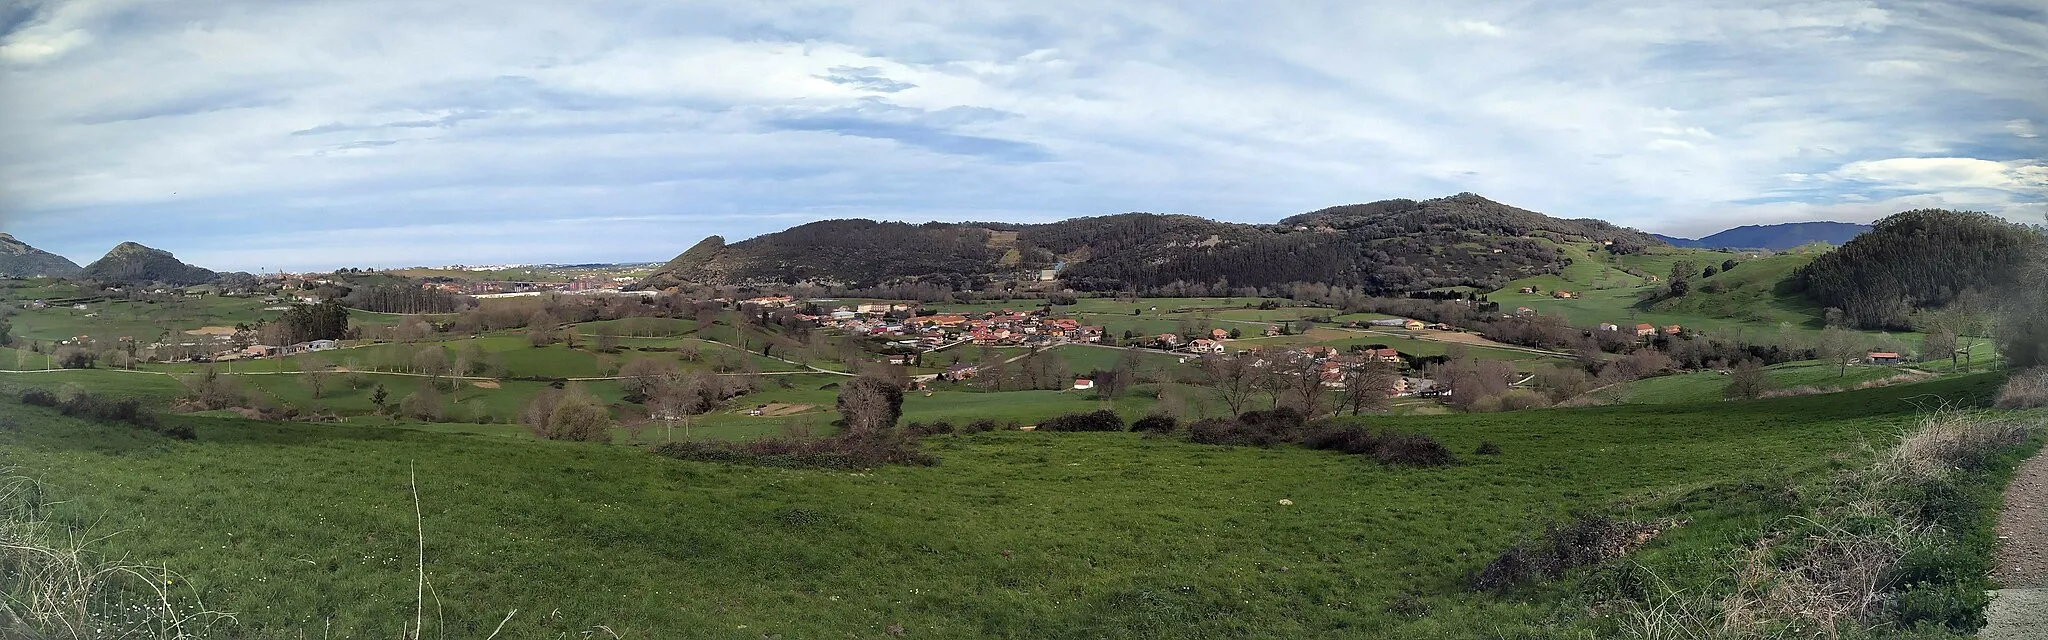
x,y
2022,559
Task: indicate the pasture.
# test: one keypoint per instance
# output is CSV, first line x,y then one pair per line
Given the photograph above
x,y
309,531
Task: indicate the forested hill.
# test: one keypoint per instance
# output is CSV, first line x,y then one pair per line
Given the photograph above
x,y
136,264
1775,237
1922,260
17,259
1387,246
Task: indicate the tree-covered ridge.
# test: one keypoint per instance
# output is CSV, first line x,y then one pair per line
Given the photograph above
x,y
1919,260
136,264
1391,246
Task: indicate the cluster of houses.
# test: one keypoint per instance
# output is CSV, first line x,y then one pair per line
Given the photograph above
x,y
1337,368
1646,330
1006,328
1559,294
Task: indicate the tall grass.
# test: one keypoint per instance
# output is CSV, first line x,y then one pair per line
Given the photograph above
x,y
1885,550
53,588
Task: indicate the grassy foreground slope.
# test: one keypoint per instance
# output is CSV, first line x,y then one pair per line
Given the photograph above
x,y
308,531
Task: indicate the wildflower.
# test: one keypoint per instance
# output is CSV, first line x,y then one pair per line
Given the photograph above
x,y
1286,503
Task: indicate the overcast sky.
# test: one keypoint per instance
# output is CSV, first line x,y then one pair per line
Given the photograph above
x,y
299,135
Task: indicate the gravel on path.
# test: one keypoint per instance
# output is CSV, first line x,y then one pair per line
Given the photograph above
x,y
2022,557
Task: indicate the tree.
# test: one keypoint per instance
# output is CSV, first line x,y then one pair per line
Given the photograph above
x,y
6,332
608,341
424,404
1367,386
1939,344
1681,278
1302,381
1563,383
313,374
572,414
540,329
870,405
1838,347
378,396
1749,381
644,377
1233,377
212,390
1235,333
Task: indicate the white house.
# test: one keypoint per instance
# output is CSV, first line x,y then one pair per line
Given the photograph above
x,y
1083,384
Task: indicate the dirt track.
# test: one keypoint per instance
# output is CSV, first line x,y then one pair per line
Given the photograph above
x,y
2022,559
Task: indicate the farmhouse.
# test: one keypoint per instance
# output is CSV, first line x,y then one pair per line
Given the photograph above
x,y
1524,311
1083,384
1645,330
1389,356
1674,330
1609,326
1218,334
961,372
1413,325
1884,357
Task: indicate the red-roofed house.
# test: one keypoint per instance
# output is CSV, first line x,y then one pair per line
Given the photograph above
x,y
1884,357
1646,330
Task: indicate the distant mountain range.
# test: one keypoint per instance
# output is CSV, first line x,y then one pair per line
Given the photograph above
x,y
1775,237
19,260
133,263
1389,246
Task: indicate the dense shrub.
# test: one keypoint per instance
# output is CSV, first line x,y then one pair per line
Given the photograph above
x,y
128,411
980,426
39,397
1218,431
2025,390
1584,541
1104,420
1413,450
921,429
1487,448
846,451
1351,439
1156,423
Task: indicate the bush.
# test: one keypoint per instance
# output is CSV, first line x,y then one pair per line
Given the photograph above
x,y
1218,431
1092,421
1586,540
1487,448
980,426
1351,439
2025,390
1413,450
847,451
1156,423
921,429
39,397
1522,399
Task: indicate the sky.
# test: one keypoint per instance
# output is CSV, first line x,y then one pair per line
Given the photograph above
x,y
302,135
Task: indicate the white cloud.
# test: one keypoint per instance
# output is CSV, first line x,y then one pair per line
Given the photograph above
x,y
1476,27
1940,174
742,117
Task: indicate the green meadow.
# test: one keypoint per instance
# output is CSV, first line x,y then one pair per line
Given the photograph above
x,y
309,530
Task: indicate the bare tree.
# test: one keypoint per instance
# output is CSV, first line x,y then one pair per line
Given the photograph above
x,y
1302,381
1939,344
1368,386
540,329
313,374
870,405
1838,347
607,340
1233,377
1749,381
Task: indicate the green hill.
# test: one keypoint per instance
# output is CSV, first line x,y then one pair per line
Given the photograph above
x,y
19,260
1391,246
136,264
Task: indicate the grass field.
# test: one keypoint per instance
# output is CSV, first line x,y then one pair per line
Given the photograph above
x,y
1707,386
307,531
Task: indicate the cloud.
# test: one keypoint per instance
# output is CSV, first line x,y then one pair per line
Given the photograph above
x,y
1942,174
869,78
194,125
1477,28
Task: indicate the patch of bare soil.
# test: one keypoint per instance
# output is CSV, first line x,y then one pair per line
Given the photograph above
x,y
484,384
775,410
2023,527
211,331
